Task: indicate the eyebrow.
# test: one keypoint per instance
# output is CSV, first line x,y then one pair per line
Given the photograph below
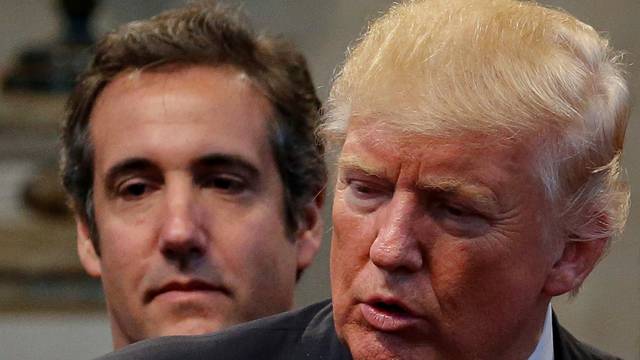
x,y
452,186
228,161
354,163
479,194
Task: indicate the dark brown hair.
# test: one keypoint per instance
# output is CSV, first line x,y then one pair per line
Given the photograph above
x,y
211,34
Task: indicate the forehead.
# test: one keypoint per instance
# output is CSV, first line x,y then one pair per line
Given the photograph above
x,y
180,112
225,88
487,160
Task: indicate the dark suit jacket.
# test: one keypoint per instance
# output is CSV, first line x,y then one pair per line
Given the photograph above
x,y
567,347
302,334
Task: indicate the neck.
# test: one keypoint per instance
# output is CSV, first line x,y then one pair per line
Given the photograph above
x,y
527,338
517,342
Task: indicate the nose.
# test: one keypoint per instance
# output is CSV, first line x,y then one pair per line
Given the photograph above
x,y
396,247
181,239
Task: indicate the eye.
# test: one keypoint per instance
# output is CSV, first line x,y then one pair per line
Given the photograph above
x,y
362,189
450,210
456,211
365,195
225,182
134,189
458,219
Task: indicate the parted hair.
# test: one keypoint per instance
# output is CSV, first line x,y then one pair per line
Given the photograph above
x,y
203,33
509,68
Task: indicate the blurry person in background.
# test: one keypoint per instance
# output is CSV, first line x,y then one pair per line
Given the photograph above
x,y
190,159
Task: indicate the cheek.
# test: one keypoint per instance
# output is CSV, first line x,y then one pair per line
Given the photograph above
x,y
126,246
256,253
122,277
450,265
125,233
122,241
266,254
353,235
123,264
471,277
263,272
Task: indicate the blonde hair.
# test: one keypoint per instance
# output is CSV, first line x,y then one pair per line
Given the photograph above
x,y
501,67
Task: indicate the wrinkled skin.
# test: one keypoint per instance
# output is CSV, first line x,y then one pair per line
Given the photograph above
x,y
444,250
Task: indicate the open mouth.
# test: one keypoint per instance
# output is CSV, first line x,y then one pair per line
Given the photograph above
x,y
390,308
388,316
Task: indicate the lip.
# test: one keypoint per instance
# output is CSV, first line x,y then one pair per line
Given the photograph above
x,y
388,314
185,288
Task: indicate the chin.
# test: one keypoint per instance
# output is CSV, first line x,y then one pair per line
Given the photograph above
x,y
366,344
376,352
198,326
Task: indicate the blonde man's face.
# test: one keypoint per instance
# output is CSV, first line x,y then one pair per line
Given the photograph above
x,y
439,250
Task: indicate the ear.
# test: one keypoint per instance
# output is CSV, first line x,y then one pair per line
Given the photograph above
x,y
308,236
578,258
86,251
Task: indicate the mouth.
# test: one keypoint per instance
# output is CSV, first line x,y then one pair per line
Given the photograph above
x,y
388,315
192,286
390,308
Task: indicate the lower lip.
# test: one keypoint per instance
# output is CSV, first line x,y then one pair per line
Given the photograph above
x,y
384,320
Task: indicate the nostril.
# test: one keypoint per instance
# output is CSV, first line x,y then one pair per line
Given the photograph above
x,y
182,249
183,257
170,253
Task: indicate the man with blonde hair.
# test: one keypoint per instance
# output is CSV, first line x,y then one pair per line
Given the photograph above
x,y
478,177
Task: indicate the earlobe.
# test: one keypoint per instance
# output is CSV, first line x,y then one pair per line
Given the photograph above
x,y
308,236
86,251
576,262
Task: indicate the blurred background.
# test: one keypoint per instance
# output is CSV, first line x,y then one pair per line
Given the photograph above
x,y
50,310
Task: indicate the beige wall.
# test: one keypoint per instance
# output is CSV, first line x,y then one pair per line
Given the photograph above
x,y
606,313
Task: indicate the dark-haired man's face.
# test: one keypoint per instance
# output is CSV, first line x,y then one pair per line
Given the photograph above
x,y
188,205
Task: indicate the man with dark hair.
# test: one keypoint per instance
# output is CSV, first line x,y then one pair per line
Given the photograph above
x,y
478,177
191,163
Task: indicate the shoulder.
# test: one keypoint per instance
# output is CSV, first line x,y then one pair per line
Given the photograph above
x,y
567,347
274,337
